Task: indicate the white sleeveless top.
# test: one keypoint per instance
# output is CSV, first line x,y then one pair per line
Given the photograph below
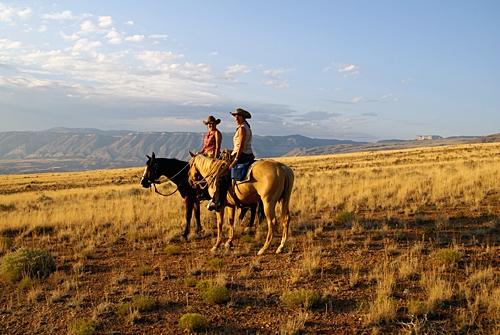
x,y
246,146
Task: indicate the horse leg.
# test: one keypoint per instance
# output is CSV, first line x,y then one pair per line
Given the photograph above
x,y
220,220
270,211
231,212
253,210
285,217
189,209
196,208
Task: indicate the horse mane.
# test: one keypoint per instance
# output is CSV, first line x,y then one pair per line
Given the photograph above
x,y
210,165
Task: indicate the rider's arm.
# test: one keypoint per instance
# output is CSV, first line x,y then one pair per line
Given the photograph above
x,y
242,134
218,143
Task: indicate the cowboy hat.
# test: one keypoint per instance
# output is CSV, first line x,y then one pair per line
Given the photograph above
x,y
211,119
241,112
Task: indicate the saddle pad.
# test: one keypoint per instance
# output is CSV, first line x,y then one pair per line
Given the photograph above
x,y
249,173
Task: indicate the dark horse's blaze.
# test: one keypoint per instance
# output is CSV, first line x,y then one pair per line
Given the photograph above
x,y
177,172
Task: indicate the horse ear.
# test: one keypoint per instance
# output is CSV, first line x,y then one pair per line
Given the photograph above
x,y
153,156
191,154
149,158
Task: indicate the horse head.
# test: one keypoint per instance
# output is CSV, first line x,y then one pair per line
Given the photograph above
x,y
150,172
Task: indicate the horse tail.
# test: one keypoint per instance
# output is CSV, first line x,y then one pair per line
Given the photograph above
x,y
287,190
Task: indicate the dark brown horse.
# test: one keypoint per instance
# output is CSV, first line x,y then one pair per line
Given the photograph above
x,y
177,172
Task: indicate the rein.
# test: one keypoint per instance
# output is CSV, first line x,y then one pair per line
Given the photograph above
x,y
213,175
170,178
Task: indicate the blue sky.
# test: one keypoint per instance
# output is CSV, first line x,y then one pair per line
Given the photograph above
x,y
355,70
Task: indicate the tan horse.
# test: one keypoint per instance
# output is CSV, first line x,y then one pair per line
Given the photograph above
x,y
270,181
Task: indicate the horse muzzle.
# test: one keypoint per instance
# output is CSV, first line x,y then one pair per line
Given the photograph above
x,y
146,183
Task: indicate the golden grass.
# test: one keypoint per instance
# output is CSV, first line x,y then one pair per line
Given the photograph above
x,y
365,200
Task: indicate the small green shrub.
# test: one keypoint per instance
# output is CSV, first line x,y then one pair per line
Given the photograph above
x,y
246,239
7,208
88,253
301,298
124,308
5,243
448,256
417,308
44,198
344,217
172,250
27,263
82,327
143,302
190,282
203,285
216,295
216,263
143,270
26,283
192,322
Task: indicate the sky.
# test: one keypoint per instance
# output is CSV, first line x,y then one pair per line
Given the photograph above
x,y
349,70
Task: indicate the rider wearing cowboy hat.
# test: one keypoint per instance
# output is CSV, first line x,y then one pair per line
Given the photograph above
x,y
242,151
213,138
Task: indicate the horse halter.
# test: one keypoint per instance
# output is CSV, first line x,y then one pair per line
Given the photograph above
x,y
147,171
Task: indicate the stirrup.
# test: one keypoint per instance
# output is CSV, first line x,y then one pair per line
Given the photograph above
x,y
211,205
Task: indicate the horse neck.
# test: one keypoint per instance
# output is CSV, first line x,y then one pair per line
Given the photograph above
x,y
208,166
173,169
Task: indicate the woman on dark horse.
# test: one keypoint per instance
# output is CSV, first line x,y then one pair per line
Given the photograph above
x,y
213,138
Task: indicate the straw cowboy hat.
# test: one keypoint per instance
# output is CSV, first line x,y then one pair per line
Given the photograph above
x,y
211,119
241,112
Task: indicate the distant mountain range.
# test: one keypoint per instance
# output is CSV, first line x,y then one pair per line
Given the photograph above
x,y
79,149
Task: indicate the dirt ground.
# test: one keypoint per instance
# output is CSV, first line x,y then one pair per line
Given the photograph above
x,y
318,257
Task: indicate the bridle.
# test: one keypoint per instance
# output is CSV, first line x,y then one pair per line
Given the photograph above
x,y
154,166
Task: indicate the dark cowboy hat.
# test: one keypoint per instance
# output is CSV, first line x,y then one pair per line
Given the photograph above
x,y
241,112
211,119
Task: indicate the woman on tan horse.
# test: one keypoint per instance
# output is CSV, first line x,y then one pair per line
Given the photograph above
x,y
242,153
269,181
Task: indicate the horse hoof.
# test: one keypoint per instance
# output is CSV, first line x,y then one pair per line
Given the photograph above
x,y
213,250
261,252
248,230
228,245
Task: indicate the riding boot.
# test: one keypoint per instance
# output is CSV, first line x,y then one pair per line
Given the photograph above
x,y
221,198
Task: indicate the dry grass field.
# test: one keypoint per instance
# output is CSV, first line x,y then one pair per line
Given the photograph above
x,y
401,242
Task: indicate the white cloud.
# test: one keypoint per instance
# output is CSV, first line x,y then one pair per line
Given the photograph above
x,y
154,58
8,44
114,37
275,74
275,78
357,99
105,21
135,38
42,28
86,45
68,37
65,15
24,14
346,69
276,84
233,71
129,23
158,37
8,12
215,53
